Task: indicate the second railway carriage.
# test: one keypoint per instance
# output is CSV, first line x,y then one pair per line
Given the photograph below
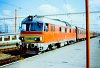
x,y
9,39
80,34
40,33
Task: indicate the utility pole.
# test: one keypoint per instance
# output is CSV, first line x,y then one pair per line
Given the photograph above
x,y
15,19
87,34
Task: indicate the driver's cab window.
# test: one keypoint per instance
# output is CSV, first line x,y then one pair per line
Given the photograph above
x,y
25,27
46,27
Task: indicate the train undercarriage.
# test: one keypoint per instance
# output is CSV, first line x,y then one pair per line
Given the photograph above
x,y
42,47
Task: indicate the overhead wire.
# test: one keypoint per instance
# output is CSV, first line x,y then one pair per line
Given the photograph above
x,y
57,14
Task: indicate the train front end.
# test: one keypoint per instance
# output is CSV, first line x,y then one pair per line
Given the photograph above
x,y
31,34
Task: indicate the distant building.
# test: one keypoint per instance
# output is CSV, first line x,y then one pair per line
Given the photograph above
x,y
3,28
8,26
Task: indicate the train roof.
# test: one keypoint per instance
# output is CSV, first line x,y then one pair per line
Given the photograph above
x,y
43,19
55,21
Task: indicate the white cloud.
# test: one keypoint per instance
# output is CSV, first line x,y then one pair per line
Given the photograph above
x,y
68,8
7,13
50,9
47,9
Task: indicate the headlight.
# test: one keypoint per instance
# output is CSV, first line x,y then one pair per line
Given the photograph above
x,y
21,38
40,38
30,18
37,39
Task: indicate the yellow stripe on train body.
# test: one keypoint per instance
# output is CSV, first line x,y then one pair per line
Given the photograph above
x,y
32,38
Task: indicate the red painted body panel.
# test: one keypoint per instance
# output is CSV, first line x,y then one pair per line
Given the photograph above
x,y
28,32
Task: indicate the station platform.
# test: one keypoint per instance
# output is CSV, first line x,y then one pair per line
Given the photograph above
x,y
71,56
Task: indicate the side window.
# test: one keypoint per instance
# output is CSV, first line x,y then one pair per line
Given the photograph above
x,y
66,30
6,38
63,30
46,27
0,38
14,37
70,30
60,29
52,28
73,30
80,32
27,27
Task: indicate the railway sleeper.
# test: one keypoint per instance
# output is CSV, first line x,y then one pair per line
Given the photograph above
x,y
9,60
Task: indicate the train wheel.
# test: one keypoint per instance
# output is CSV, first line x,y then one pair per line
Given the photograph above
x,y
50,47
65,44
17,44
42,50
36,49
68,43
58,45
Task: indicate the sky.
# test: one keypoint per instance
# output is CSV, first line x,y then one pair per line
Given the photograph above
x,y
48,7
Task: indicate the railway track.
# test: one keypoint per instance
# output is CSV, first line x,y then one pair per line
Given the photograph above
x,y
16,54
8,48
9,60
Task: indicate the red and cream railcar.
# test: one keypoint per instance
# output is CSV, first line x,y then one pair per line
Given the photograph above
x,y
80,33
44,33
95,34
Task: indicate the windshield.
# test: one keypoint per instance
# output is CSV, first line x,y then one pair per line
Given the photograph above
x,y
32,26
